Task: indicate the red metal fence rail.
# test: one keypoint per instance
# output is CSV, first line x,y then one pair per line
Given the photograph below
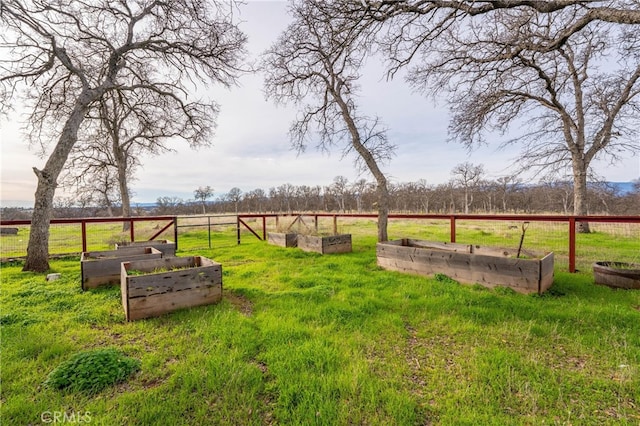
x,y
453,219
78,238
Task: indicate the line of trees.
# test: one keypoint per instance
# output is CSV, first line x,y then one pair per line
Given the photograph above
x,y
502,195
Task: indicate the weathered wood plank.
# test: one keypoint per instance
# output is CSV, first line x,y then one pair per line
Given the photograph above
x,y
168,248
159,290
523,275
103,267
159,304
283,240
464,248
325,245
9,231
174,281
546,272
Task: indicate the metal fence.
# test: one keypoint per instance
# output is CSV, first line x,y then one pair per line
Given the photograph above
x,y
612,238
207,231
73,236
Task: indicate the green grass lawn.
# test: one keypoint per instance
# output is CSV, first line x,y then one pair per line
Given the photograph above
x,y
301,338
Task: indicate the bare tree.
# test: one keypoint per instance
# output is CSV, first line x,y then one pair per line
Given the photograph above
x,y
70,54
359,188
577,110
340,189
468,176
256,200
315,64
92,182
169,205
128,125
507,186
235,196
202,194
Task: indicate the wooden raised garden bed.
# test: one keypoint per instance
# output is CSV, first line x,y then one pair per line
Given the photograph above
x,y
469,264
150,288
617,274
168,248
8,231
103,267
283,240
340,243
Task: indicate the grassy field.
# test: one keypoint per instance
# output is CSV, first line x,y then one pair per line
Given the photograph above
x,y
301,338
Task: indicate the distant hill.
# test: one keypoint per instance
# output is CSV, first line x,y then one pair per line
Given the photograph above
x,y
622,187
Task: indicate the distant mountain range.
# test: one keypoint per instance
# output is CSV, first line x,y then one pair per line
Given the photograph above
x,y
622,187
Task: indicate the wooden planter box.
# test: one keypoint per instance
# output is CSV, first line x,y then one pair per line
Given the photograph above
x,y
329,244
469,264
103,267
168,248
617,274
165,285
282,239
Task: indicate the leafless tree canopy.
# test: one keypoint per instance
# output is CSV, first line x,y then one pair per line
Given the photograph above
x,y
315,65
67,55
202,194
420,22
60,49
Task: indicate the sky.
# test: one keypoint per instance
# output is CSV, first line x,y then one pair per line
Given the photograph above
x,y
251,148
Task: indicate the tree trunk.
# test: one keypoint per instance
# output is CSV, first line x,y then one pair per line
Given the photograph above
x,y
38,248
370,161
580,195
466,201
126,203
383,209
122,183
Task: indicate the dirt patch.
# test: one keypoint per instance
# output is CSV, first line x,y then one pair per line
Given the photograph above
x,y
241,303
413,361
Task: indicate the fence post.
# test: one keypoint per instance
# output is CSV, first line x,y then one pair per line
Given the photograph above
x,y
131,232
335,224
452,220
264,228
238,227
209,229
572,244
84,236
175,231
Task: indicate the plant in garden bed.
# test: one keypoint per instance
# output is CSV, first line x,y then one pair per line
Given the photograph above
x,y
161,270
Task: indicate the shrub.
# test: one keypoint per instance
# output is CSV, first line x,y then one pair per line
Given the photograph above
x,y
92,371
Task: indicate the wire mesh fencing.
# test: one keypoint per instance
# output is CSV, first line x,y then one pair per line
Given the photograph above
x,y
205,232
73,236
